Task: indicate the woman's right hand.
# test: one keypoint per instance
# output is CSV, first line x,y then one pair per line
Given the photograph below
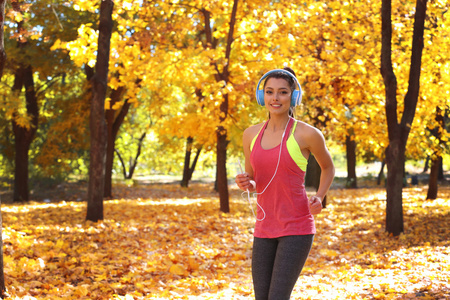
x,y
244,182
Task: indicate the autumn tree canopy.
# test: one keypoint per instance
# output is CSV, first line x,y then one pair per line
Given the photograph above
x,y
167,63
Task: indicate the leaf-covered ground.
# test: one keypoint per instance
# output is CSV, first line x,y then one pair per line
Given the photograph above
x,y
164,242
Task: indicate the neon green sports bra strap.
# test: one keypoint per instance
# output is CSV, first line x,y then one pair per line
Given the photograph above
x,y
256,136
294,150
293,126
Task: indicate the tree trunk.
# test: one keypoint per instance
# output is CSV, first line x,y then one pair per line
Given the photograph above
x,y
398,133
97,117
436,171
222,181
313,171
216,186
351,162
113,123
21,189
427,162
189,168
312,176
395,159
441,176
381,173
2,43
433,181
187,162
23,135
222,142
23,78
109,161
441,128
194,163
2,273
2,66
124,168
138,153
133,163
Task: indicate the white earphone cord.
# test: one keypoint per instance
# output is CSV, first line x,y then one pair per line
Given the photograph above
x,y
276,170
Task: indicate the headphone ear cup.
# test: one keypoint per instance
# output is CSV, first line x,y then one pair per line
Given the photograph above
x,y
260,97
294,97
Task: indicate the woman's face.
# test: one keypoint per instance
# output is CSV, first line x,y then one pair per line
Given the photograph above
x,y
277,96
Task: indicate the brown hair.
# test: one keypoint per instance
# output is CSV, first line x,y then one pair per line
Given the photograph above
x,y
284,76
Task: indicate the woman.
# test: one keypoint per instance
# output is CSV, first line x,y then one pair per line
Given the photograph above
x,y
276,154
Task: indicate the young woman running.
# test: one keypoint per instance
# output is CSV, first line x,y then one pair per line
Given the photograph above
x,y
276,154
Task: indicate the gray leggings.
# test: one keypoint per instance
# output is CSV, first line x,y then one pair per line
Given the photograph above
x,y
277,264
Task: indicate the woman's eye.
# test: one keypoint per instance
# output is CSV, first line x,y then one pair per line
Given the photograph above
x,y
269,92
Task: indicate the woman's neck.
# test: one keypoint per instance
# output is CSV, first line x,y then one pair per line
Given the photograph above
x,y
277,123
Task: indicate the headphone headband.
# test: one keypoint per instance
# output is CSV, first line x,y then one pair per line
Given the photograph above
x,y
296,97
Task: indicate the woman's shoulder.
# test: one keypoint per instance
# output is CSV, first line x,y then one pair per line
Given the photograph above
x,y
252,131
304,130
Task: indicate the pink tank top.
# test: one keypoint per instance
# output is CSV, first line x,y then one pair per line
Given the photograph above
x,y
285,202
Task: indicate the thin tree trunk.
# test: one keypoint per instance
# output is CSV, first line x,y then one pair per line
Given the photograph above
x,y
222,181
124,169
194,163
433,181
436,163
23,135
313,171
189,168
312,176
2,66
221,132
187,162
3,293
426,165
398,133
97,117
222,141
381,173
132,163
23,78
441,176
138,153
394,211
113,122
351,162
2,43
109,160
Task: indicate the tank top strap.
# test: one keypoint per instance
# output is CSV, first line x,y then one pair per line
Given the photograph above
x,y
263,127
290,128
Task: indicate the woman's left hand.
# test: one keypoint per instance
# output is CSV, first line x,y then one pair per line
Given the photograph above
x,y
315,205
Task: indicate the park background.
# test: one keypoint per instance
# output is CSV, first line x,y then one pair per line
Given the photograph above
x,y
121,131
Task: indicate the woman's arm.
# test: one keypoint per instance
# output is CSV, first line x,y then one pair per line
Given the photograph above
x,y
245,180
316,144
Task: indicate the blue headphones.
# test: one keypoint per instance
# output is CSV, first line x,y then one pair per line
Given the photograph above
x,y
296,97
